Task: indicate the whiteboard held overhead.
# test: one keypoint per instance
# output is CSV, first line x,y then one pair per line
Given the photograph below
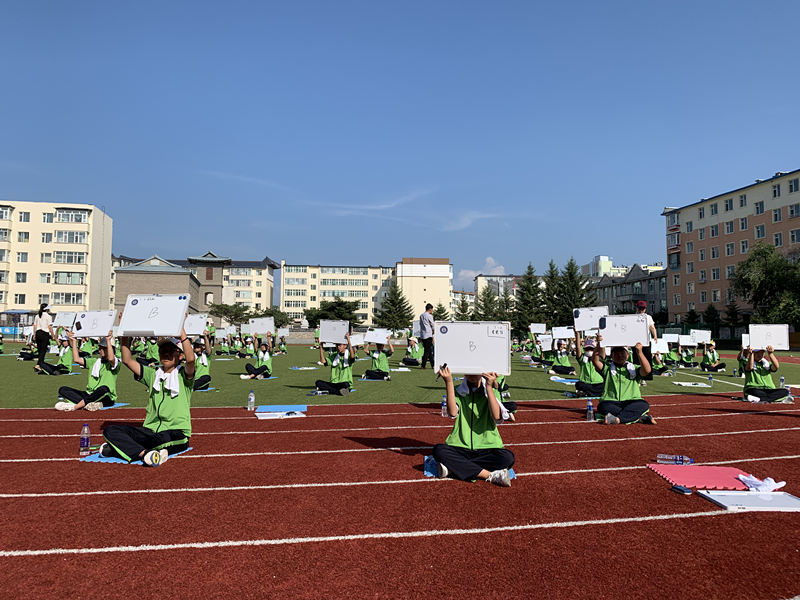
x,y
745,340
660,346
333,331
473,347
546,341
686,340
624,330
671,338
262,325
65,319
154,315
776,336
538,327
700,336
283,332
376,335
589,318
563,333
357,339
94,323
195,325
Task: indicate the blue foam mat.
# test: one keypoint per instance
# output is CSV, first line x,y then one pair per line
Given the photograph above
x,y
303,368
116,405
96,458
205,390
562,380
352,390
359,379
282,408
432,468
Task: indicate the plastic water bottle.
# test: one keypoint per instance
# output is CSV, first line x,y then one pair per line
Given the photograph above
x,y
674,367
673,459
251,401
710,379
734,371
783,381
85,437
444,406
570,395
589,411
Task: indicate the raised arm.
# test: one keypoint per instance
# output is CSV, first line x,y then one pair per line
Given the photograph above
x,y
389,341
599,355
188,355
74,345
750,358
452,407
494,405
578,344
644,365
208,343
321,355
349,345
773,359
127,358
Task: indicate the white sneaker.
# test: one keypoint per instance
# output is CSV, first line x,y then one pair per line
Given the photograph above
x,y
786,400
387,378
93,406
65,406
154,458
442,471
721,371
259,377
644,383
753,399
244,376
551,372
500,477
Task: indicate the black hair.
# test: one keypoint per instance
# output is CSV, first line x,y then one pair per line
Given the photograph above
x,y
428,306
41,309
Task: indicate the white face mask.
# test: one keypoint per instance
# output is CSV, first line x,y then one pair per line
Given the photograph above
x,y
589,353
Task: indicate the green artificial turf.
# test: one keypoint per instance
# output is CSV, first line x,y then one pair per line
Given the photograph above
x,y
21,387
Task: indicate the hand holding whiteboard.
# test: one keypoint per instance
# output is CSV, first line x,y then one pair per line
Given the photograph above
x,y
376,335
538,327
64,319
94,323
154,315
263,325
563,333
700,336
333,331
745,340
473,347
776,336
195,324
589,318
624,330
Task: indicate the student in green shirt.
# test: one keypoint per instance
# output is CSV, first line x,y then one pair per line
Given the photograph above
x,y
282,346
168,422
2,346
621,400
236,346
212,334
711,359
758,385
473,450
64,363
150,358
559,357
674,355
88,347
263,366
224,347
590,382
249,349
341,362
316,339
658,367
101,388
202,374
413,353
686,357
742,357
380,361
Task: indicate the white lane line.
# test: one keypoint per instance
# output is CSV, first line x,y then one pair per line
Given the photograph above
x,y
362,536
246,488
715,381
402,448
447,425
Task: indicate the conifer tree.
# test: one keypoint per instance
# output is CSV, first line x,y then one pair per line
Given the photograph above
x,y
551,293
486,305
529,300
395,312
463,310
574,293
440,312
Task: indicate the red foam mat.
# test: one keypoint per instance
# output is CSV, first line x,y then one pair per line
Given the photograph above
x,y
701,477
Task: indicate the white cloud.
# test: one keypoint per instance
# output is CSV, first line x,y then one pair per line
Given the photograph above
x,y
466,277
464,220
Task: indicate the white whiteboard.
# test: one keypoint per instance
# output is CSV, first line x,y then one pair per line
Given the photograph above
x,y
333,331
263,325
776,336
64,319
589,318
672,338
376,335
245,329
283,332
473,347
231,330
546,341
195,324
415,329
538,327
752,501
357,339
563,333
94,323
624,330
745,340
154,315
660,346
700,336
686,340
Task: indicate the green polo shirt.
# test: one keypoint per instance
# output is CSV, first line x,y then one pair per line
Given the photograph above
x,y
415,351
107,377
151,352
316,333
224,347
709,358
620,387
561,361
381,361
474,427
266,361
65,360
588,374
759,377
673,355
200,369
163,411
340,373
212,330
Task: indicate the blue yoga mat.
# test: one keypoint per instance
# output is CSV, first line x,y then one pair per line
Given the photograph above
x,y
562,380
96,458
303,368
205,390
371,380
432,468
352,390
282,408
116,405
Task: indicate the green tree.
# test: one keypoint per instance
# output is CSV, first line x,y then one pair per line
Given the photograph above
x,y
486,305
692,317
338,310
770,281
733,316
529,300
463,310
661,317
440,312
235,314
712,316
396,312
574,293
551,293
506,306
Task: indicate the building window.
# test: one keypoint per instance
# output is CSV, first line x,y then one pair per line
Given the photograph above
x,y
676,280
651,286
71,237
728,204
776,190
777,239
47,238
690,267
313,298
374,288
702,254
745,247
46,257
22,278
70,258
760,208
689,247
247,271
743,224
690,287
672,220
24,217
730,271
742,200
294,303
690,306
72,216
3,256
295,281
258,283
19,298
676,299
294,293
23,236
729,227
47,217
714,252
209,273
794,211
374,275
68,278
701,212
313,276
715,297
702,275
44,299
22,257
714,210
730,249
313,287
4,235
714,230
794,236
242,294
44,277
240,283
794,185
688,227
67,298
760,232
703,296
5,213
715,274
776,215
294,269
701,233
663,282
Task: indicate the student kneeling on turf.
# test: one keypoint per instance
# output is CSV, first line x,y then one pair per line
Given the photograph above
x,y
621,400
263,367
380,361
101,388
341,369
168,423
473,450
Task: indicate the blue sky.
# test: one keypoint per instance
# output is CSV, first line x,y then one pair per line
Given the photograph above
x,y
491,133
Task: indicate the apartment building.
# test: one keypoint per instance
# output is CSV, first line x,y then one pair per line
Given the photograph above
x,y
54,253
458,295
498,283
706,239
621,294
421,280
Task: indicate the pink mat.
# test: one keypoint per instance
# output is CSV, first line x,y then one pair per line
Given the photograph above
x,y
701,477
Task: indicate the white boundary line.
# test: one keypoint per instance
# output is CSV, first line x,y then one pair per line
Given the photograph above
x,y
362,536
401,448
249,488
715,381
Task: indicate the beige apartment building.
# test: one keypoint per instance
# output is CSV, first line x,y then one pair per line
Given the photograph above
x,y
421,280
706,240
458,295
54,253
